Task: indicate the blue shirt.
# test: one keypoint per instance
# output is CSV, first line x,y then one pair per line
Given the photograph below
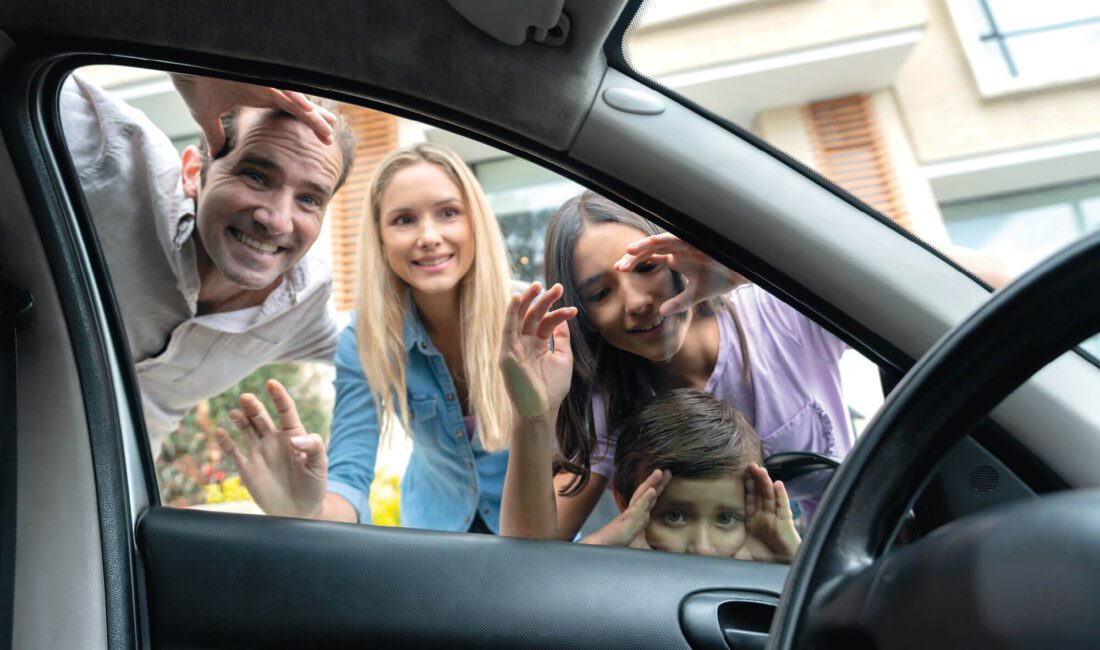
x,y
450,478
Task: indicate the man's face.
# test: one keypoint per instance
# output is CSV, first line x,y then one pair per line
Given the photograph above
x,y
700,516
261,206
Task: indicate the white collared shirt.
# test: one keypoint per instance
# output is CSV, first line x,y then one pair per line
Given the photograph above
x,y
131,177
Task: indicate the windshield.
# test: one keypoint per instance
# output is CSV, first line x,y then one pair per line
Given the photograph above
x,y
959,120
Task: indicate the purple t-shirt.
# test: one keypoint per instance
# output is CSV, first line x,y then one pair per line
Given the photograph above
x,y
794,399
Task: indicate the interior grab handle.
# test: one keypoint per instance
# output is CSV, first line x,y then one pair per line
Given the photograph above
x,y
725,620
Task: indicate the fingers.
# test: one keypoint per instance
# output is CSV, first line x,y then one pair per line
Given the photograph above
x,y
555,320
311,450
535,313
512,319
657,480
319,120
284,405
230,448
764,489
239,420
783,510
679,303
643,249
257,415
214,133
751,506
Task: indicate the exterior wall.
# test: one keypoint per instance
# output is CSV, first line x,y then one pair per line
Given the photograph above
x,y
947,117
749,30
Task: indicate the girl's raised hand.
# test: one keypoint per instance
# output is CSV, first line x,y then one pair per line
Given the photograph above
x,y
703,277
285,469
535,357
628,529
769,521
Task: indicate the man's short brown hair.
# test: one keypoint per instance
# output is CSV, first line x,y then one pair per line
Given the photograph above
x,y
688,432
342,133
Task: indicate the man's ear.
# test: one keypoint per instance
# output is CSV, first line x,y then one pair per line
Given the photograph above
x,y
191,160
619,499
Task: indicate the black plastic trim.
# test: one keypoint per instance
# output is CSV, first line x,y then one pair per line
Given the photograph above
x,y
29,85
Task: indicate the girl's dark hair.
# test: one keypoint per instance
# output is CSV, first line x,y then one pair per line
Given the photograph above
x,y
688,432
624,380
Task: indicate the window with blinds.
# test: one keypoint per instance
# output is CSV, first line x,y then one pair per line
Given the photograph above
x,y
851,152
376,136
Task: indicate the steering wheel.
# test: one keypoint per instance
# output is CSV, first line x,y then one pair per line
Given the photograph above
x,y
1026,574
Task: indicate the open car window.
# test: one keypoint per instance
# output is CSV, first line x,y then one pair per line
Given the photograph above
x,y
798,387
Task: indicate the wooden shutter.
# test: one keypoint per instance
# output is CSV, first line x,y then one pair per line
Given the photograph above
x,y
851,152
376,136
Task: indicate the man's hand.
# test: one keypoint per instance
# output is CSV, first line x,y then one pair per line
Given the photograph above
x,y
208,99
703,277
535,355
769,521
628,529
285,469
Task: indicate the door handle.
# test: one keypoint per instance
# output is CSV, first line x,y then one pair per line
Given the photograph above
x,y
725,620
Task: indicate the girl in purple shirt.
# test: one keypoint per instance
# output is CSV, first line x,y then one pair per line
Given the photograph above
x,y
654,313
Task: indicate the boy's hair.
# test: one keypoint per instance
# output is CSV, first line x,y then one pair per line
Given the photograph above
x,y
688,432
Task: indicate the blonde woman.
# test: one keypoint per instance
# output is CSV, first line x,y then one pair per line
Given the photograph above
x,y
421,354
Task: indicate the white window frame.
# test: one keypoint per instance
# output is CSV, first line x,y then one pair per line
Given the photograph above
x,y
991,81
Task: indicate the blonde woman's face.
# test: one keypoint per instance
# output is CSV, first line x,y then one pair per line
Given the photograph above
x,y
427,234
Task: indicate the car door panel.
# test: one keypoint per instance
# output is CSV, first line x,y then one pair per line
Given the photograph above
x,y
217,580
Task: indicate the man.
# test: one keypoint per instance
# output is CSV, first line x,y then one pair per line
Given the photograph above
x,y
207,252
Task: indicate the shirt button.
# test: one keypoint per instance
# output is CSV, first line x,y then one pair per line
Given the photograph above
x,y
423,345
450,397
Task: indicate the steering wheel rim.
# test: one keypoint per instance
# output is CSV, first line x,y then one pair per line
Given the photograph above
x,y
946,394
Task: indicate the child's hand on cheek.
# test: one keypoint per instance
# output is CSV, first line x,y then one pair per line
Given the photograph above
x,y
628,529
769,522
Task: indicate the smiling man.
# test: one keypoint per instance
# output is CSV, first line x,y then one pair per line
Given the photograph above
x,y
207,251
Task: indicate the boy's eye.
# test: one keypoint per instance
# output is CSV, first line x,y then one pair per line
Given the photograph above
x,y
728,519
674,517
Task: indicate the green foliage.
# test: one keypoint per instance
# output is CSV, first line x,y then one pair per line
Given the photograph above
x,y
191,460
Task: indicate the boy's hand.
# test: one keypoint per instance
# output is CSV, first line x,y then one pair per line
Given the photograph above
x,y
628,529
769,522
284,469
535,355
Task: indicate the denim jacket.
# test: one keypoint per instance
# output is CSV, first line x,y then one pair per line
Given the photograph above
x,y
450,478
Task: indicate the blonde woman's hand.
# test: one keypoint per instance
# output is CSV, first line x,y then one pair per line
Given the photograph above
x,y
769,521
285,469
535,357
208,99
703,277
628,529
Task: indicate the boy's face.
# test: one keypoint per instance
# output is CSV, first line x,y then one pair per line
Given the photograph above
x,y
700,516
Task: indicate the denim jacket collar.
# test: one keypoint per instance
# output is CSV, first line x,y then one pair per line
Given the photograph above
x,y
414,332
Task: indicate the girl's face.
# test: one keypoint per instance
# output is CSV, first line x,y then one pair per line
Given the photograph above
x,y
623,305
426,232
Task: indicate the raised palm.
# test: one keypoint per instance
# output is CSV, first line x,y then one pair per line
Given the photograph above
x,y
535,357
285,469
772,536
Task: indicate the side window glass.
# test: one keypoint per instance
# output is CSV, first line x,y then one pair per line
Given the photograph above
x,y
264,282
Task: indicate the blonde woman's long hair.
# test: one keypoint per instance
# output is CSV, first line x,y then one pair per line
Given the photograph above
x,y
483,295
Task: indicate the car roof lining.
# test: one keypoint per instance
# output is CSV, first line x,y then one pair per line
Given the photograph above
x,y
543,92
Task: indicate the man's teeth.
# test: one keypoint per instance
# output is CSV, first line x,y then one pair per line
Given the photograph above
x,y
260,246
651,326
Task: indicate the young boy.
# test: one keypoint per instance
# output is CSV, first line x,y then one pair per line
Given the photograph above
x,y
690,464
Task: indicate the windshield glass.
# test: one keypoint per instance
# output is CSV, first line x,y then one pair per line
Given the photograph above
x,y
971,123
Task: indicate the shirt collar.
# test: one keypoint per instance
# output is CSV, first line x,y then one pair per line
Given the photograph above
x,y
415,334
